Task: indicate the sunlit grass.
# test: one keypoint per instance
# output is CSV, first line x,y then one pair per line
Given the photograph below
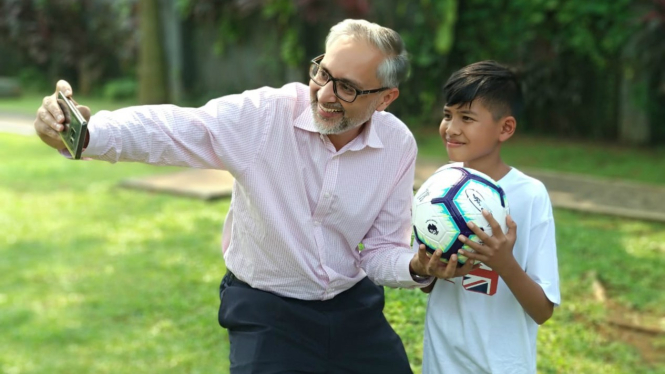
x,y
639,164
28,103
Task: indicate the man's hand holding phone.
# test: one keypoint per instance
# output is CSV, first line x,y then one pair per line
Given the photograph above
x,y
56,116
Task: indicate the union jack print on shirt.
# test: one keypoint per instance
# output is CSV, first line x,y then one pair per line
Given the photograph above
x,y
482,280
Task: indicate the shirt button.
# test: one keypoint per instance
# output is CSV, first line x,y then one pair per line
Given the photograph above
x,y
316,223
326,195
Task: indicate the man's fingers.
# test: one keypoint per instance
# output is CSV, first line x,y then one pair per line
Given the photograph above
x,y
65,111
467,267
464,269
85,111
44,130
49,136
451,267
50,104
44,117
64,87
434,261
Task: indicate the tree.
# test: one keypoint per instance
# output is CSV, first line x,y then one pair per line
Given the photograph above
x,y
152,64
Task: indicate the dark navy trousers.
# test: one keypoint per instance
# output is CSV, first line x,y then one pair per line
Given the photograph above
x,y
271,334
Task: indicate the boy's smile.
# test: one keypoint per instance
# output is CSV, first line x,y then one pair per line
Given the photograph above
x,y
473,136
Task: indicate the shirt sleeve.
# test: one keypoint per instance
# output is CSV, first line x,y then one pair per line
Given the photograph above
x,y
226,133
387,251
542,265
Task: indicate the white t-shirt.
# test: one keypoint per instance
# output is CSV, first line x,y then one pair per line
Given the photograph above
x,y
475,324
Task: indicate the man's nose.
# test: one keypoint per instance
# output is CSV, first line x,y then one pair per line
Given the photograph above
x,y
327,93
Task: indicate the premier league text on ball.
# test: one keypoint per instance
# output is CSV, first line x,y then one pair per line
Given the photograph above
x,y
449,199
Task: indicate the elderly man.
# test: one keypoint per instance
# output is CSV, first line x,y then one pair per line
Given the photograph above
x,y
320,212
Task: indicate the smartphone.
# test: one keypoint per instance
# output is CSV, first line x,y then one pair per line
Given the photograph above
x,y
74,132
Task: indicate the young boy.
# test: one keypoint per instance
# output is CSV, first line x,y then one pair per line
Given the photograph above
x,y
487,320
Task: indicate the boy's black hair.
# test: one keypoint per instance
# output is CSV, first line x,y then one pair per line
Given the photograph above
x,y
493,84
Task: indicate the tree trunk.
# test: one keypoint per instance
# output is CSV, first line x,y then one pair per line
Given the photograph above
x,y
634,126
88,74
173,47
152,69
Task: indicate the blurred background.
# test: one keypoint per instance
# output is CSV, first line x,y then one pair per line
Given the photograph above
x,y
100,279
591,69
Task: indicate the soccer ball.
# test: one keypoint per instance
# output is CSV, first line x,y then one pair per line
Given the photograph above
x,y
447,201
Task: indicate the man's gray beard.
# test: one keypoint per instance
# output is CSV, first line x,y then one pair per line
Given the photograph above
x,y
344,124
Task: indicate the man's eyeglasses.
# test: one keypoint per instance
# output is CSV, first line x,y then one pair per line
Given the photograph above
x,y
343,90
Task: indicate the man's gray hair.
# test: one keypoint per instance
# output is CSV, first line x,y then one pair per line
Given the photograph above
x,y
395,68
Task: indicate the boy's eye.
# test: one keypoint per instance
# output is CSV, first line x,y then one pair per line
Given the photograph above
x,y
467,119
447,116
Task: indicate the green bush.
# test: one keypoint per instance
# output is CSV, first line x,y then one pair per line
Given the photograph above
x,y
120,89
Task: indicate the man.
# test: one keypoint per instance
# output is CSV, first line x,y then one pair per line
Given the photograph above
x,y
321,172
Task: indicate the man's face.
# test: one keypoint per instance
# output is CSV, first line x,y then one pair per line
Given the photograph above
x,y
356,63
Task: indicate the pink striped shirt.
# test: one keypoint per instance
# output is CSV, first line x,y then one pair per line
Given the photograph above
x,y
300,208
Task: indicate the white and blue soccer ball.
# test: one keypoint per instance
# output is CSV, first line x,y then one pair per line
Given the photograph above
x,y
449,199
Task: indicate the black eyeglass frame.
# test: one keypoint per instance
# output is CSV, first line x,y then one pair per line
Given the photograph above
x,y
316,60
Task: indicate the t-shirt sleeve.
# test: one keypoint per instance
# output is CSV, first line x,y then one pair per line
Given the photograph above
x,y
542,265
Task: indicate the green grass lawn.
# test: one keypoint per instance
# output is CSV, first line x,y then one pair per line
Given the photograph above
x,y
641,164
28,103
98,279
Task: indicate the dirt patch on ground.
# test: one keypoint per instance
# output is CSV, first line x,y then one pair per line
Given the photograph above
x,y
641,330
637,329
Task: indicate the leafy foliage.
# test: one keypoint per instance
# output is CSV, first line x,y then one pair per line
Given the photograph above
x,y
572,55
92,37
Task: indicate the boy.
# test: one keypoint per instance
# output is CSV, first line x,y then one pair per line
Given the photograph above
x,y
468,329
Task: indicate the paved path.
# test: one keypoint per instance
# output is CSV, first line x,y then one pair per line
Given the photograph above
x,y
17,124
569,191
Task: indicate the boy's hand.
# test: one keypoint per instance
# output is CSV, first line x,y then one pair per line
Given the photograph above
x,y
425,265
497,250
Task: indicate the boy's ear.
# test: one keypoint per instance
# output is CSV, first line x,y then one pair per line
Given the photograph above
x,y
508,127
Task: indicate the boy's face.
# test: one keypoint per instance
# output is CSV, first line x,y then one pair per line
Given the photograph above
x,y
472,135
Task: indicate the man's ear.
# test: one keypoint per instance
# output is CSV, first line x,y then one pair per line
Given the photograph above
x,y
387,97
508,127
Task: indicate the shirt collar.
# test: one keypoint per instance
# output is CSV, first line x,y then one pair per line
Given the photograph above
x,y
367,137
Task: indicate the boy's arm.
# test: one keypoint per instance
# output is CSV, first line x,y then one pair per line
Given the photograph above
x,y
529,294
497,253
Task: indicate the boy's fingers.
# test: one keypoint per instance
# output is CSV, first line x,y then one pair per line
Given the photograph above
x,y
512,227
482,235
496,228
474,245
473,255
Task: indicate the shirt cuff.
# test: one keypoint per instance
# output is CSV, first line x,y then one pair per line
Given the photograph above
x,y
404,277
94,136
